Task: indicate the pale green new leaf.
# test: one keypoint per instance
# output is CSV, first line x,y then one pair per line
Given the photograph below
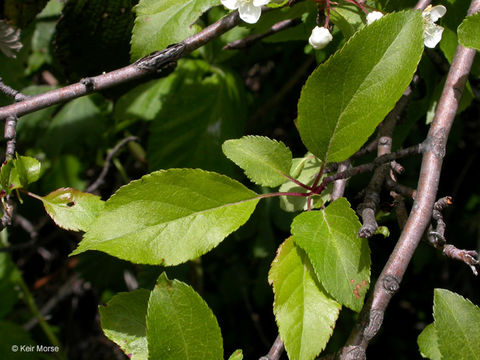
x,y
345,98
170,216
123,321
304,170
305,314
469,32
457,324
266,162
428,343
339,257
236,355
162,23
19,172
180,325
72,209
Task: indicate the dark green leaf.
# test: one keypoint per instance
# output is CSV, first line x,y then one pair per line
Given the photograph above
x,y
9,278
205,107
15,335
80,122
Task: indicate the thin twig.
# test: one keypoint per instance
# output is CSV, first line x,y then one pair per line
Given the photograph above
x,y
275,351
249,40
101,178
415,149
11,92
339,185
436,238
142,69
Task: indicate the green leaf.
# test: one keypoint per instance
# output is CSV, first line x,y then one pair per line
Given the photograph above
x,y
345,98
348,18
469,32
236,355
9,279
78,125
19,172
169,217
66,171
457,323
305,314
304,170
142,102
339,257
266,162
72,209
428,343
206,106
123,321
180,325
15,335
162,23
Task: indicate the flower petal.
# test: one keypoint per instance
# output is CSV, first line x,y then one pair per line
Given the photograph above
x,y
260,2
432,36
437,12
249,13
230,4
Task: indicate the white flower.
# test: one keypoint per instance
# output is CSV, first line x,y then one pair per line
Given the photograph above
x,y
432,33
320,37
373,16
249,10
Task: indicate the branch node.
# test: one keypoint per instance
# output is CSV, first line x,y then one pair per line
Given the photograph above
x,y
156,60
436,239
374,323
436,143
353,352
89,84
391,284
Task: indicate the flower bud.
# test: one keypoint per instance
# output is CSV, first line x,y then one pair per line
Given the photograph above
x,y
373,16
320,37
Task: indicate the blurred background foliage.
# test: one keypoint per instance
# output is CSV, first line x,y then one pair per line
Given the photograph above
x,y
181,121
